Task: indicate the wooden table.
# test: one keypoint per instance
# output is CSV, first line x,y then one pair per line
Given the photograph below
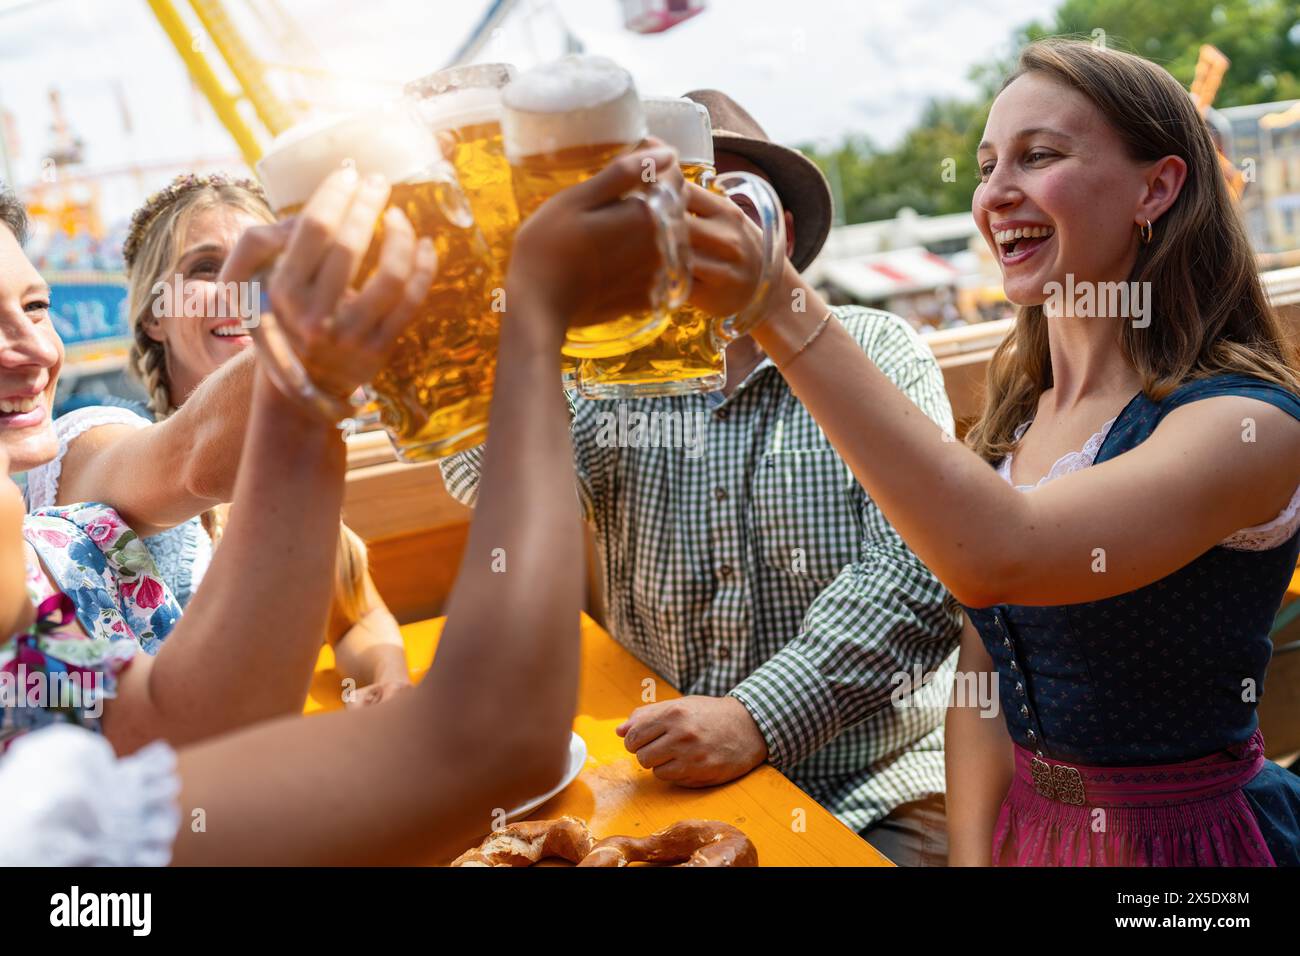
x,y
616,796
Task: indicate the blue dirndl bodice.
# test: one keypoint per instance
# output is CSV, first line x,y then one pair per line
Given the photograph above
x,y
1163,674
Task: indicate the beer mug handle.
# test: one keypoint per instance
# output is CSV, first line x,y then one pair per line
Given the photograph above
x,y
668,206
771,219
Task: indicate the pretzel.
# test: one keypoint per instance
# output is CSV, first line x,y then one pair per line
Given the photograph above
x,y
523,844
687,843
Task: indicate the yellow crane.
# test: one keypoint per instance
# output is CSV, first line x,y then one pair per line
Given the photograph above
x,y
271,114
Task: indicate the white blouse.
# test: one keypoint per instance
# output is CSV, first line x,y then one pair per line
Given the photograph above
x,y
70,801
1261,537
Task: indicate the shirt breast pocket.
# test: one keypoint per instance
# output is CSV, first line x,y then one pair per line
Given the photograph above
x,y
806,513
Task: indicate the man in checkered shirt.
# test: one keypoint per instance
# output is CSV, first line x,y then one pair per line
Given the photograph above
x,y
743,562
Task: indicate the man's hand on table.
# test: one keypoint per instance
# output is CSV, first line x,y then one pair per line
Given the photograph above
x,y
694,741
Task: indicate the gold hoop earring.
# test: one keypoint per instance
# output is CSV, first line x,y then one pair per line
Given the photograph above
x,y
1146,232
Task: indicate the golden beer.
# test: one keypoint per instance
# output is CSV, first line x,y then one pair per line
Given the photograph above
x,y
563,123
433,397
687,356
462,107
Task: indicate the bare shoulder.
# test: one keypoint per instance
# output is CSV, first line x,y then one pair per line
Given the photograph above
x,y
85,434
1241,449
1233,425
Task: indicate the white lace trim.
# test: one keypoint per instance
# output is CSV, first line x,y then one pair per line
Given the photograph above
x,y
69,801
1069,462
1260,537
43,481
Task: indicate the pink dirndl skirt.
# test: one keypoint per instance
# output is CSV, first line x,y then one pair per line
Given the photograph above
x,y
1184,814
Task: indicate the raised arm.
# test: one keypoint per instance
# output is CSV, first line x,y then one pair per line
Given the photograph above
x,y
991,544
193,456
489,725
988,543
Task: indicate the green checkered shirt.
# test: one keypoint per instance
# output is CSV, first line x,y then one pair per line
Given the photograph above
x,y
744,559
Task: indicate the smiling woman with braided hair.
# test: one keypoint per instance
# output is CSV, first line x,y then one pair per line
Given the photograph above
x,y
202,364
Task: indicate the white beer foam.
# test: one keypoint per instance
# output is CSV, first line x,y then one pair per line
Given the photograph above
x,y
388,142
459,108
572,101
462,95
683,124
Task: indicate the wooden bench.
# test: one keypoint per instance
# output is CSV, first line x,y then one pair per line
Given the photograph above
x,y
415,531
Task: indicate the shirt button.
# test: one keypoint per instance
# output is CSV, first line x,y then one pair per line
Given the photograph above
x,y
725,571
1006,642
1015,666
1024,711
1020,689
720,493
720,414
723,652
1032,736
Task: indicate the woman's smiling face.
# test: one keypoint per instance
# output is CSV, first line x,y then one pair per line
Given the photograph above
x,y
1058,192
31,357
197,345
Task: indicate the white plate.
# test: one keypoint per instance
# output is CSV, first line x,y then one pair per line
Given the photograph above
x,y
577,759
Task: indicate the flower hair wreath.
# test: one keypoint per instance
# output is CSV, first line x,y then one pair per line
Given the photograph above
x,y
181,186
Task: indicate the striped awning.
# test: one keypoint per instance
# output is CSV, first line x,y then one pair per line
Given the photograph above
x,y
897,272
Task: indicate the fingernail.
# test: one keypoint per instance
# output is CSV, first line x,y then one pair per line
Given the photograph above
x,y
349,173
375,181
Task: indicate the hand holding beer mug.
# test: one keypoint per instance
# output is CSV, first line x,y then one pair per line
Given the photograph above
x,y
342,337
592,252
562,124
689,356
732,270
434,393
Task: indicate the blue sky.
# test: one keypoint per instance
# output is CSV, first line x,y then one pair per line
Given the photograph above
x,y
807,69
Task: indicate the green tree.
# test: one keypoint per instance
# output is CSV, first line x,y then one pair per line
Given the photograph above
x,y
1260,37
932,169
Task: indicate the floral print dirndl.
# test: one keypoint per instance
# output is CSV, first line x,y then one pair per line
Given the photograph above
x,y
110,602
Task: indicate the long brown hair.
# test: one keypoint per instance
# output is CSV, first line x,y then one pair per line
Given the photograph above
x,y
1210,314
